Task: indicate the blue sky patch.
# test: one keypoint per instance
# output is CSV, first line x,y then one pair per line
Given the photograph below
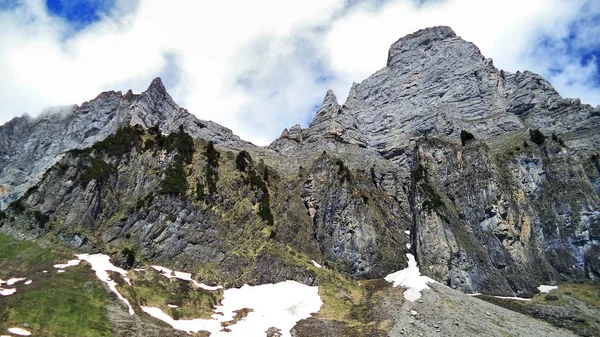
x,y
80,13
577,46
9,4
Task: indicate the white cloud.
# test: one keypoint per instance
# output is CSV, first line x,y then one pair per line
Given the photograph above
x,y
507,31
259,66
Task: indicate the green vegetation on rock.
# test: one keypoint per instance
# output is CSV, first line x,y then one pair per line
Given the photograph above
x,y
211,169
175,178
54,304
536,136
465,136
432,201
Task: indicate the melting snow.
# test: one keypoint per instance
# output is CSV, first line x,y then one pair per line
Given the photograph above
x,y
101,264
172,306
546,289
12,281
315,264
503,297
408,244
168,273
60,271
411,279
69,263
28,282
513,298
188,325
19,331
7,292
279,305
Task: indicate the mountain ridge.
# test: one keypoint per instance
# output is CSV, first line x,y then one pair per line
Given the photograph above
x,y
499,212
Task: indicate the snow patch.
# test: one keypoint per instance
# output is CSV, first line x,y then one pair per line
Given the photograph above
x,y
12,281
408,244
28,282
279,305
187,325
7,292
513,298
168,273
19,331
172,306
546,289
69,263
101,265
503,297
411,279
60,271
315,264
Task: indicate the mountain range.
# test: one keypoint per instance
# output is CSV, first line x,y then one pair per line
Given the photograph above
x,y
493,174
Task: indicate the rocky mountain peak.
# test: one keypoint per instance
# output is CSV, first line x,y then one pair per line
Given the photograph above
x,y
157,94
157,88
329,109
419,40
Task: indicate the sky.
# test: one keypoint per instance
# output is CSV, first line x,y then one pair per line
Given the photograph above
x,y
259,66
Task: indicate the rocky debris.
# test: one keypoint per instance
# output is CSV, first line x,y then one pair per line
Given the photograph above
x,y
273,332
438,317
570,313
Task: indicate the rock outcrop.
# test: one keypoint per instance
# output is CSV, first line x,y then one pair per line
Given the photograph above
x,y
29,146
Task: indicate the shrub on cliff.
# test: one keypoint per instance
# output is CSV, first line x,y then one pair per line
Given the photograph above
x,y
536,136
465,136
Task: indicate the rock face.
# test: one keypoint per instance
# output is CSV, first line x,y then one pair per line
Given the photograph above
x,y
493,216
498,214
29,146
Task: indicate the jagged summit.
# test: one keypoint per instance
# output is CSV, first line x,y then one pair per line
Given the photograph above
x,y
436,83
419,39
157,84
29,146
157,91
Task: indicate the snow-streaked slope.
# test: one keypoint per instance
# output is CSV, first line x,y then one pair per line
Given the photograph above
x,y
280,305
168,273
410,278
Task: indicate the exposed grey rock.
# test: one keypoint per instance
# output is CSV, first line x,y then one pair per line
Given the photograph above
x,y
29,146
491,216
435,85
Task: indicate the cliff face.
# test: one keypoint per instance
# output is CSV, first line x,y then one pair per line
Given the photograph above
x,y
29,146
496,214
